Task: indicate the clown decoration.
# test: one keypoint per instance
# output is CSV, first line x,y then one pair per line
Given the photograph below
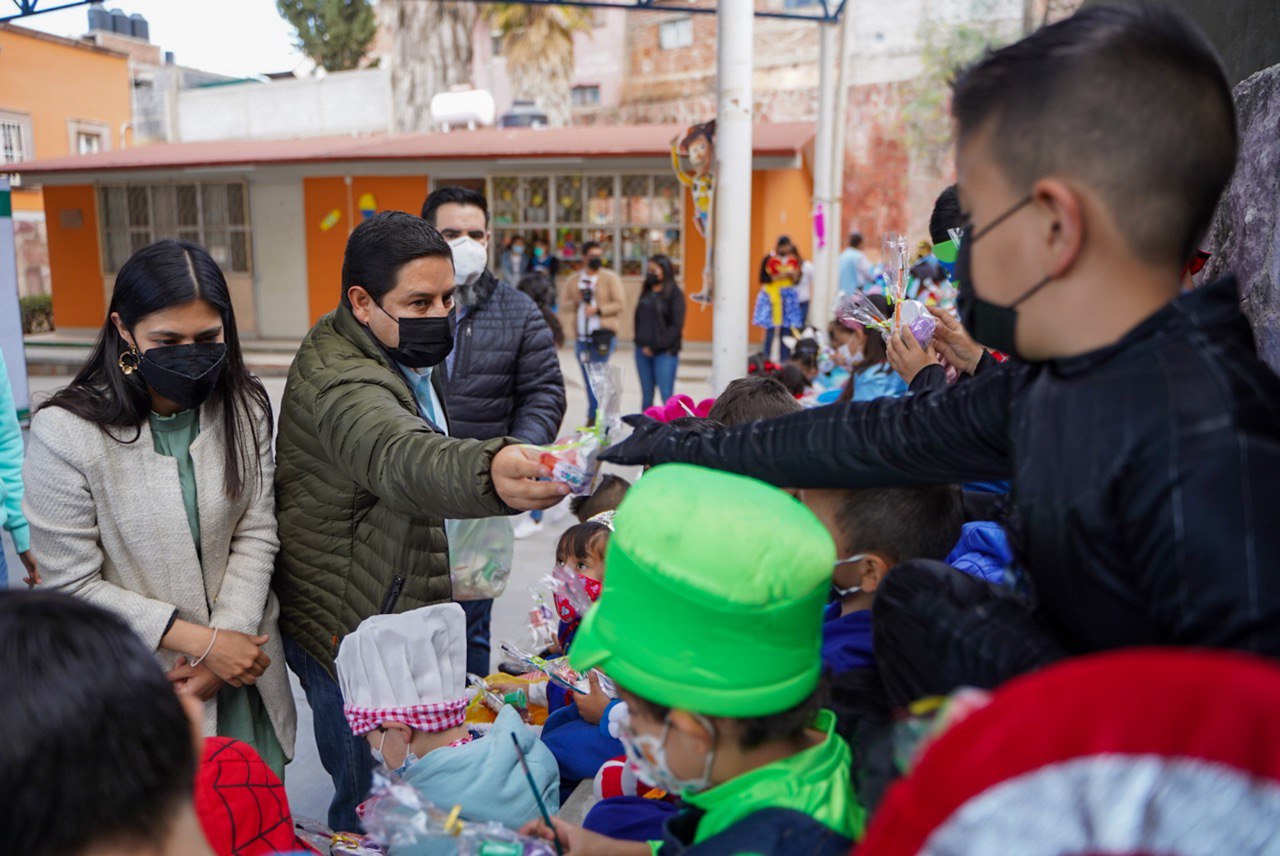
x,y
698,149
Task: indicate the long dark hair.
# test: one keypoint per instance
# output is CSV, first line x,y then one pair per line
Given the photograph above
x,y
668,270
874,350
157,277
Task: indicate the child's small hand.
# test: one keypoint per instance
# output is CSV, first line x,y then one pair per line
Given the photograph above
x,y
576,841
592,705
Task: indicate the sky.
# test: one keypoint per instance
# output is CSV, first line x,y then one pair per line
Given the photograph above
x,y
234,37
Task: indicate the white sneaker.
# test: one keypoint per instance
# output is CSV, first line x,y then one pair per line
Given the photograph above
x,y
527,527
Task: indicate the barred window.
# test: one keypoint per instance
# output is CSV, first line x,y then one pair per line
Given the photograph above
x,y
214,215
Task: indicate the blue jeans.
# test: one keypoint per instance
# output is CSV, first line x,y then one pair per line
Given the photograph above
x,y
346,758
479,613
587,353
660,371
783,350
580,748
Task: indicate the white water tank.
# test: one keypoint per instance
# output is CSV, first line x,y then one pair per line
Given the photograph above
x,y
467,108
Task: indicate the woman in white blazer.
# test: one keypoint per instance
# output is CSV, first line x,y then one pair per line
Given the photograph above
x,y
149,492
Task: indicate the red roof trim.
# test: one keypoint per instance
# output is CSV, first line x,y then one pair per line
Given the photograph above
x,y
771,140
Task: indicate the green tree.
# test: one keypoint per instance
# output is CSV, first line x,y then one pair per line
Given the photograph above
x,y
537,42
334,33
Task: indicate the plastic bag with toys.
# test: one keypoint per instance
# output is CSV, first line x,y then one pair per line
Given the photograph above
x,y
574,459
856,308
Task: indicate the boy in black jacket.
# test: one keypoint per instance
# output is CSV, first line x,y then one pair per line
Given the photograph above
x,y
1139,427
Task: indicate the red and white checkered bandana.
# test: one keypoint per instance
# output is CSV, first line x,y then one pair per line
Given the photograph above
x,y
428,718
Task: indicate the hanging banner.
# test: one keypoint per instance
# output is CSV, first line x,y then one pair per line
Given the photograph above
x,y
697,149
15,357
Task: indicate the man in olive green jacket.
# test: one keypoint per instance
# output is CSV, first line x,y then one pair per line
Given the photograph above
x,y
366,471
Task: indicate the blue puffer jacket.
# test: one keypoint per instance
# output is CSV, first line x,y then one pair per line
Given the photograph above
x,y
982,551
503,378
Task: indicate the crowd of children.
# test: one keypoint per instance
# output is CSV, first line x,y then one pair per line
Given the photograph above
x,y
819,629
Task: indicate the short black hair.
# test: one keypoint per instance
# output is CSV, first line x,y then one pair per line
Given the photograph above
x,y
95,746
582,539
1132,101
901,523
700,426
607,497
855,239
591,245
755,731
453,195
946,215
752,398
383,244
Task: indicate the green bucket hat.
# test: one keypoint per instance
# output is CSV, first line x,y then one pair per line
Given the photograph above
x,y
713,595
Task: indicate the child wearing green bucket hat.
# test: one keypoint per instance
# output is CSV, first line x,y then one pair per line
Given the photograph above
x,y
724,705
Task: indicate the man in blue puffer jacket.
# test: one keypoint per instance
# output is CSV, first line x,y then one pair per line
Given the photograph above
x,y
503,377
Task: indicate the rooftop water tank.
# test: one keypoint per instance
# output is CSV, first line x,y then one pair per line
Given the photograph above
x,y
120,22
463,108
99,18
141,29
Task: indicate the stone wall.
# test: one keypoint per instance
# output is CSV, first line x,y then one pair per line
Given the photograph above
x,y
1245,237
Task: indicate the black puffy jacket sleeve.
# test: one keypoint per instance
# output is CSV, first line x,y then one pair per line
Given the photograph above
x,y
945,436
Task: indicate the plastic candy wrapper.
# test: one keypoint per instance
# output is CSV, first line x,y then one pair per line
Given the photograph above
x,y
398,817
542,621
856,308
928,719
324,840
559,673
572,460
496,701
568,586
480,556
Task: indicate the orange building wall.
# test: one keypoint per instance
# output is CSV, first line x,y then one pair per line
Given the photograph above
x,y
55,83
75,264
781,202
321,197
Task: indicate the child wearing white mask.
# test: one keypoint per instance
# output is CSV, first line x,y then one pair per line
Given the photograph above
x,y
861,351
403,680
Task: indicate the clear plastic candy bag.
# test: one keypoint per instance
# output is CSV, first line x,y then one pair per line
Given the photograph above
x,y
559,672
574,460
567,585
397,816
542,621
857,308
481,553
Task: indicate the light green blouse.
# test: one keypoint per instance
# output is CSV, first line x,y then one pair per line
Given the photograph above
x,y
241,713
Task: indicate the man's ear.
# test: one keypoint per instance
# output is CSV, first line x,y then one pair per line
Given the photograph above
x,y
361,303
876,569
1062,218
694,728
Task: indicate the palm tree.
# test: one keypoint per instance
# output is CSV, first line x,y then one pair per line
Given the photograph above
x,y
431,52
537,41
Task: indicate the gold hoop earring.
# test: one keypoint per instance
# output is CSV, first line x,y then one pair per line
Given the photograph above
x,y
128,367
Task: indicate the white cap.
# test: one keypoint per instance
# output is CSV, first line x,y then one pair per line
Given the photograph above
x,y
398,662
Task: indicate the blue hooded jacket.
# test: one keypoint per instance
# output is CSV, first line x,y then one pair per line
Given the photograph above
x,y
982,551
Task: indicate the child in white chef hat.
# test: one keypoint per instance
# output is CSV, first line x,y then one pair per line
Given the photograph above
x,y
403,680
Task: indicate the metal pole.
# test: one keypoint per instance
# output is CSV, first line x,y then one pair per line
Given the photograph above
x,y
825,201
836,226
731,218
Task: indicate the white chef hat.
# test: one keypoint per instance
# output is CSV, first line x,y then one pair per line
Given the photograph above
x,y
409,668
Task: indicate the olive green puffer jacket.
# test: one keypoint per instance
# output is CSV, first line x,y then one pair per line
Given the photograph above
x,y
363,485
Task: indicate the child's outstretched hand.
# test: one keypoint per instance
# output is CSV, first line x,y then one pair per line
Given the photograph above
x,y
576,841
592,705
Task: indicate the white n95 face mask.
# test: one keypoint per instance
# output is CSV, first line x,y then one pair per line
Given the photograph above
x,y
469,260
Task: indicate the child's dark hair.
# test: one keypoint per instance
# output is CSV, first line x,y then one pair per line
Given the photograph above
x,y
607,497
755,731
791,376
543,292
583,539
805,354
698,425
902,523
946,215
122,781
749,399
1138,109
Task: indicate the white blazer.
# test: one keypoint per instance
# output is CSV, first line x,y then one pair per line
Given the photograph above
x,y
108,524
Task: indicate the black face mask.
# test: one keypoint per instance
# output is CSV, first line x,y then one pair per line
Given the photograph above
x,y
990,324
184,374
424,342
651,280
595,264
